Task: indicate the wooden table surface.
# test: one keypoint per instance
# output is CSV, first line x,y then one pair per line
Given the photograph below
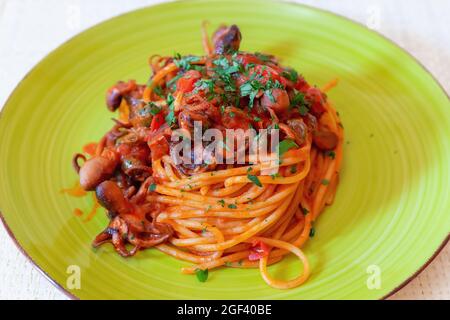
x,y
29,29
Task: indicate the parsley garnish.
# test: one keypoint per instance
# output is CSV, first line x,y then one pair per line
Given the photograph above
x,y
224,71
330,154
154,109
270,95
254,85
170,118
172,82
285,145
185,62
303,110
232,206
275,175
299,101
202,275
305,211
254,179
221,202
312,232
325,182
152,187
250,89
204,84
158,90
263,57
290,74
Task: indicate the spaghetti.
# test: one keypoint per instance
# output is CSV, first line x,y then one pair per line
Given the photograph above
x,y
214,214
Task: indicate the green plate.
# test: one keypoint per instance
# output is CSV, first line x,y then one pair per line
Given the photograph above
x,y
391,212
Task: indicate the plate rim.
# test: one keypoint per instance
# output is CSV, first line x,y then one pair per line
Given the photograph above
x,y
71,295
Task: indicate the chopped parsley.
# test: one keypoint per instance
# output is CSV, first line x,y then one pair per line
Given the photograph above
x,y
232,206
303,110
170,118
204,84
285,145
152,187
172,83
224,71
221,202
293,169
153,108
263,57
330,154
202,275
250,89
299,101
254,85
312,232
325,182
275,175
270,95
159,91
290,74
254,179
185,63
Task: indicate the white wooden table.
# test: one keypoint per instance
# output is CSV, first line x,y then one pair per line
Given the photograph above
x,y
29,29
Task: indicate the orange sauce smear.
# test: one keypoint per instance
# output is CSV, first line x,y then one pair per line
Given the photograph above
x,y
93,210
77,212
90,148
75,191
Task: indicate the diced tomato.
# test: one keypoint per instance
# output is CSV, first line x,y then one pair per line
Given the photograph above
x,y
258,250
249,58
301,84
234,118
269,73
158,147
187,82
157,121
90,148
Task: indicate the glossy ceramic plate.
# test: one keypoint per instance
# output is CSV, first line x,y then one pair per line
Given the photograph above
x,y
391,212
